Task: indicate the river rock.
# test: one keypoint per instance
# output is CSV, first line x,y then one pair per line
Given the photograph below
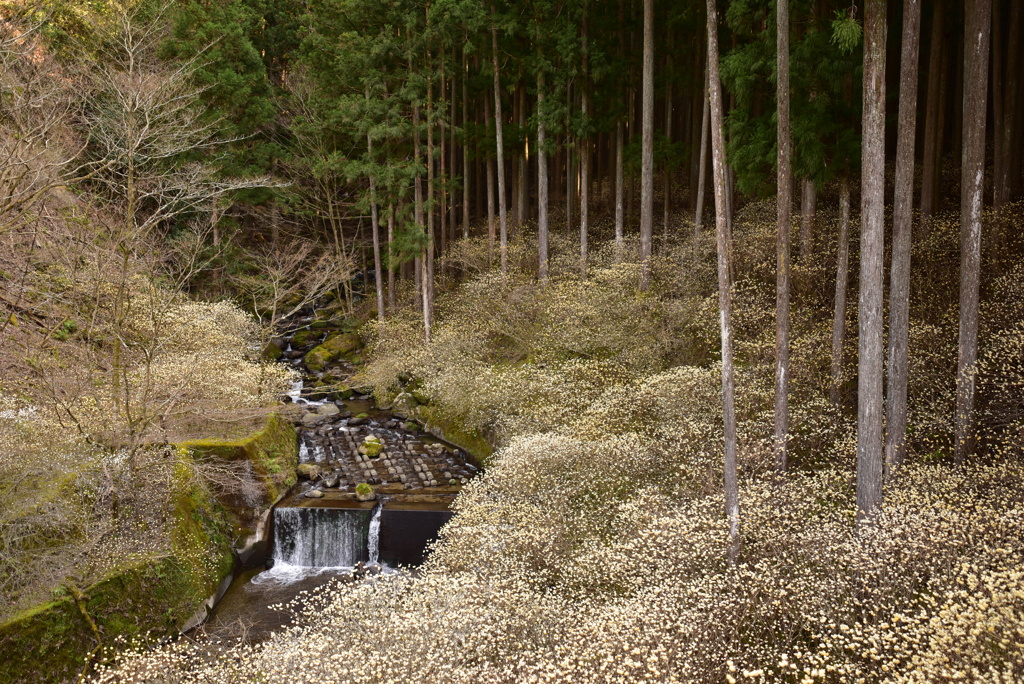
x,y
328,410
361,419
371,447
314,494
309,471
403,405
311,419
331,481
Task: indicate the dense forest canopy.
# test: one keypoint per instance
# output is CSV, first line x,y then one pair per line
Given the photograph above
x,y
732,289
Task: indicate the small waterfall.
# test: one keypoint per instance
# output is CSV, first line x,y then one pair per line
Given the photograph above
x,y
320,537
373,540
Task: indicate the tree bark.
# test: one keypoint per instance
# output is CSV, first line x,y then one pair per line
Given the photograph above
x,y
842,280
976,49
620,207
542,182
666,204
391,257
899,287
522,207
500,144
375,229
647,148
584,153
417,197
443,175
808,207
491,233
465,145
783,222
1010,87
702,172
870,365
732,507
998,111
428,258
932,132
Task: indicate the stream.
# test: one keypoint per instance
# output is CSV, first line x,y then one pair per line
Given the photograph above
x,y
321,531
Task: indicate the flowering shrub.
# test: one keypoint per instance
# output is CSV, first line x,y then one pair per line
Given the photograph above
x,y
593,548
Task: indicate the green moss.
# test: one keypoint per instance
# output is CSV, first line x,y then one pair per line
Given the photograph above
x,y
334,347
305,337
451,430
363,489
273,451
271,352
50,642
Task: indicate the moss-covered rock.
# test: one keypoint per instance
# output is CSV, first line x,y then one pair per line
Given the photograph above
x,y
271,352
364,492
332,348
371,447
304,338
451,430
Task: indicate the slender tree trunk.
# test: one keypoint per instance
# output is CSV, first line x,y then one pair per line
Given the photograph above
x,y
465,145
428,259
842,280
570,175
732,506
417,185
932,130
500,144
584,152
542,182
972,187
1010,121
443,175
522,209
899,288
666,204
647,148
491,232
418,202
870,456
808,207
375,229
702,172
998,111
453,120
783,219
620,218
391,257
958,95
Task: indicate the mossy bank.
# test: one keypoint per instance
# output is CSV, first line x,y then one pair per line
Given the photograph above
x,y
157,596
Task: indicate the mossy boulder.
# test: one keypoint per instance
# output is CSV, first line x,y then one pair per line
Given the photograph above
x,y
371,447
452,430
305,338
271,352
364,492
332,348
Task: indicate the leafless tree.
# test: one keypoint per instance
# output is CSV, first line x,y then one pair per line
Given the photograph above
x,y
732,506
871,408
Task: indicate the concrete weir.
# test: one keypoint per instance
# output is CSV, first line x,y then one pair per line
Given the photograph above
x,y
337,532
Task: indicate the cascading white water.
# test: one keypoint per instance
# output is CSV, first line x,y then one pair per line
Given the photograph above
x,y
373,540
319,537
